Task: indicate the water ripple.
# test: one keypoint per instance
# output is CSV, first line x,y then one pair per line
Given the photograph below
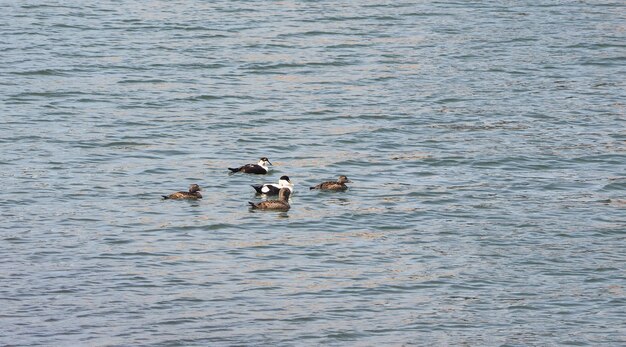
x,y
487,203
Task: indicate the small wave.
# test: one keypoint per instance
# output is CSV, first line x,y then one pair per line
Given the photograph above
x,y
42,72
310,33
615,186
27,95
124,144
30,7
131,81
508,125
269,67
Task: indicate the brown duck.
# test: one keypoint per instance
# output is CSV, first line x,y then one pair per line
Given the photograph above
x,y
275,205
193,193
338,185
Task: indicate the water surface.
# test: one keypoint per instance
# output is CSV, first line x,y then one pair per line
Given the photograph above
x,y
485,141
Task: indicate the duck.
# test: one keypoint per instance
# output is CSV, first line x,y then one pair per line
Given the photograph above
x,y
193,193
281,204
260,168
338,185
273,189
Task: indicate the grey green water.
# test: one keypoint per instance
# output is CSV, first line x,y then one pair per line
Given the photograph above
x,y
486,141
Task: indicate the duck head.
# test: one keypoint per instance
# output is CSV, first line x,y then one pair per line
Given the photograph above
x,y
284,182
264,162
343,179
194,188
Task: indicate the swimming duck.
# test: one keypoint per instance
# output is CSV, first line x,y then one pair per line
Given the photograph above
x,y
276,205
340,184
193,193
272,189
260,168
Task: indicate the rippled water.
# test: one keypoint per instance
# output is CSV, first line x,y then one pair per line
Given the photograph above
x,y
486,142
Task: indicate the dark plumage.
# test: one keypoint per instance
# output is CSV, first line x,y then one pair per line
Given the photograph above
x,y
273,189
281,204
338,185
193,193
261,168
270,189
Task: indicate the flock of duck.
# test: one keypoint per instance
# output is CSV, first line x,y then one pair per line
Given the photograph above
x,y
283,189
